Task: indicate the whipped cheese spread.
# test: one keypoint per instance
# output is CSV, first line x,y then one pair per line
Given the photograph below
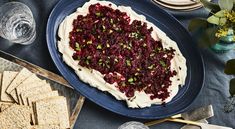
x,y
95,78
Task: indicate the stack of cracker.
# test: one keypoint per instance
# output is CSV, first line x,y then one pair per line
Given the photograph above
x,y
28,102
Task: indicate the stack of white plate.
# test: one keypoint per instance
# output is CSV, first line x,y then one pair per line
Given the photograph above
x,y
182,5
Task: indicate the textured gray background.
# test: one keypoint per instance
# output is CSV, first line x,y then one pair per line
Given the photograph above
x,y
215,91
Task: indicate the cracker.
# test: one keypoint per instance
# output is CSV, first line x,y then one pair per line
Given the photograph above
x,y
15,117
52,111
28,82
7,78
26,88
20,77
34,91
45,127
37,97
4,105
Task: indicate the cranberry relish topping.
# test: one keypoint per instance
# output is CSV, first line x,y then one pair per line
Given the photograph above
x,y
124,52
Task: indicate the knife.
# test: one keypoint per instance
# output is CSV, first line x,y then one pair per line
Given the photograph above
x,y
35,69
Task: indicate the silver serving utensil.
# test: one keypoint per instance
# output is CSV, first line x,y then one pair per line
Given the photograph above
x,y
194,115
199,113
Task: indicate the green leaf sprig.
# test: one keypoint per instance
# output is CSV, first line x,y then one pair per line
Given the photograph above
x,y
230,70
217,25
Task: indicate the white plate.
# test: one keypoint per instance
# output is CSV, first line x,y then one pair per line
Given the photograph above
x,y
180,8
179,2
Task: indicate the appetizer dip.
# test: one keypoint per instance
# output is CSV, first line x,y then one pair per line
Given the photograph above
x,y
118,51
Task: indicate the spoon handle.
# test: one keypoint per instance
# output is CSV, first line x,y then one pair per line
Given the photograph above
x,y
151,123
173,120
184,121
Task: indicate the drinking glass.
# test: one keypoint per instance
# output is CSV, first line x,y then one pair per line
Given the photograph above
x,y
133,125
17,23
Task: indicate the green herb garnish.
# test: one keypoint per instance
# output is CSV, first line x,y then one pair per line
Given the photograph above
x,y
99,46
130,80
162,63
77,47
89,42
128,62
98,14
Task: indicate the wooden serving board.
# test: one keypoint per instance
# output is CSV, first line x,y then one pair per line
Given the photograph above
x,y
75,101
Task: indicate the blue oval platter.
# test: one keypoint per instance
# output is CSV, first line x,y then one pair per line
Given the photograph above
x,y
163,20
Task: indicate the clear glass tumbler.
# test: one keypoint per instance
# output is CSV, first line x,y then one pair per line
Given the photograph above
x,y
17,23
133,125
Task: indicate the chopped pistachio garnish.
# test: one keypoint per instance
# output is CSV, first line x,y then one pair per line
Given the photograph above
x,y
77,47
134,35
78,30
100,62
87,62
99,46
162,63
135,78
144,45
152,54
111,21
158,49
89,42
128,62
116,60
151,66
110,31
88,57
128,47
130,80
98,14
123,84
103,27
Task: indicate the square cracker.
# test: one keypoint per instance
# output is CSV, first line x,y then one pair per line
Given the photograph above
x,y
15,117
34,91
7,78
45,127
5,105
20,77
27,87
26,84
52,111
37,97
